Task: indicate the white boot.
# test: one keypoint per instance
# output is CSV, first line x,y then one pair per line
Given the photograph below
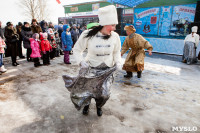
x,y
2,69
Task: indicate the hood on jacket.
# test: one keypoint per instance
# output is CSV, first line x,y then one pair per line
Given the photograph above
x,y
41,36
65,27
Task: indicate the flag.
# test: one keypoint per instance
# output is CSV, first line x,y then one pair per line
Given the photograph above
x,y
58,1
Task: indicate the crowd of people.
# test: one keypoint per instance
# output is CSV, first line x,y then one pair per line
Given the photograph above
x,y
41,40
103,56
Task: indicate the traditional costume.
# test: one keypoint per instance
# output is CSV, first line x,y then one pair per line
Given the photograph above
x,y
102,58
135,59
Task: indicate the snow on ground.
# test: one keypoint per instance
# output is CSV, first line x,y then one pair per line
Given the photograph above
x,y
35,100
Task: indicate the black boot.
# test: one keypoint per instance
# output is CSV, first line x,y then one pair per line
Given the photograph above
x,y
86,110
99,111
128,75
14,64
139,74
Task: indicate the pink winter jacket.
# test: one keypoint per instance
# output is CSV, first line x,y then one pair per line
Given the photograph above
x,y
35,46
2,46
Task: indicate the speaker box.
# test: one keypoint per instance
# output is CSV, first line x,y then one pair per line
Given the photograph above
x,y
197,13
120,20
195,24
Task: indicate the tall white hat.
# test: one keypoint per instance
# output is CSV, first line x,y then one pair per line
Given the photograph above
x,y
194,29
107,15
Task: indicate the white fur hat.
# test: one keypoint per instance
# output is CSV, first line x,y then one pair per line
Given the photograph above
x,y
194,29
107,15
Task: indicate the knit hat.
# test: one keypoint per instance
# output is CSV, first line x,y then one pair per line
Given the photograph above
x,y
130,28
194,29
107,15
34,35
34,20
44,35
50,31
20,24
9,23
26,23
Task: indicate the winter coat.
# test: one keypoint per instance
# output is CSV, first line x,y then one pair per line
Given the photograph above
x,y
35,46
66,40
99,50
60,30
11,41
58,42
135,59
2,33
19,30
42,24
45,45
26,34
2,46
36,29
53,43
75,34
192,38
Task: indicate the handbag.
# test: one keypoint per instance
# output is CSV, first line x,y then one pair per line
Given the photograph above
x,y
14,39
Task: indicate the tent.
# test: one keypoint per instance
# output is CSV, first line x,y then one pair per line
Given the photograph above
x,y
129,3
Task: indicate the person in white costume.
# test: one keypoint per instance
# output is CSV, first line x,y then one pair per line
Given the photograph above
x,y
191,43
102,59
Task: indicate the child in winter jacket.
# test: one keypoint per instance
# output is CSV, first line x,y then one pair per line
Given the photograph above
x,y
2,46
52,42
35,46
58,43
66,43
45,47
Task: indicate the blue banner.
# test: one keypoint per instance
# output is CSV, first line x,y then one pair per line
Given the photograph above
x,y
182,16
164,21
146,20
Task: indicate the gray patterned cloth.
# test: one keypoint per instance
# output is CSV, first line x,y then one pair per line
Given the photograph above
x,y
189,53
92,82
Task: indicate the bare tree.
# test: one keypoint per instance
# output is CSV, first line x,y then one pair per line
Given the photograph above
x,y
34,9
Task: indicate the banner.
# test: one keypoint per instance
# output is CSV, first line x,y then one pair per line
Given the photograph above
x,y
182,17
146,20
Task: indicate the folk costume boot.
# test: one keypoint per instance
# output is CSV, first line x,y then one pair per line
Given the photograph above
x,y
128,75
99,111
139,74
86,110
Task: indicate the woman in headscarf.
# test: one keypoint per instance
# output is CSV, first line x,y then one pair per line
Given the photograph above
x,y
103,57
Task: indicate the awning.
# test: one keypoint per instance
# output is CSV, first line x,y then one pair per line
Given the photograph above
x,y
129,3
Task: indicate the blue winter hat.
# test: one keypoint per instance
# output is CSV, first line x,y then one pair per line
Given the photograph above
x,y
65,27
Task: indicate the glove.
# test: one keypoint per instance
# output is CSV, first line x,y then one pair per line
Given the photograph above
x,y
44,52
84,64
